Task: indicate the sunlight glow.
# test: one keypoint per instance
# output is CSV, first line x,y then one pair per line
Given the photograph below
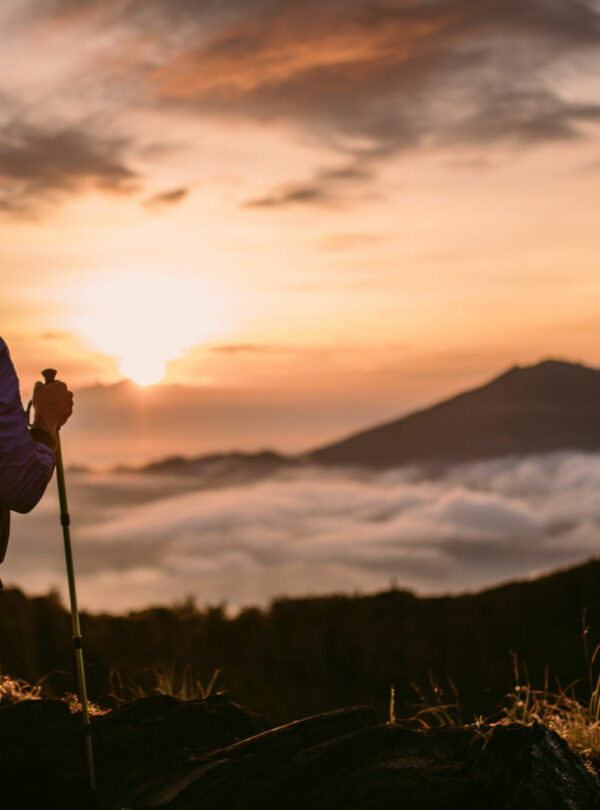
x,y
147,319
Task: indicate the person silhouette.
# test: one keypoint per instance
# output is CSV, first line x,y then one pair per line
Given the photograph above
x,y
26,452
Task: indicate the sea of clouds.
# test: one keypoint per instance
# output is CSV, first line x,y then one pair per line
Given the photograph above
x,y
144,539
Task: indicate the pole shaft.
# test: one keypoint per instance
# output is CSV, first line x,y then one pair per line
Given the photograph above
x,y
77,637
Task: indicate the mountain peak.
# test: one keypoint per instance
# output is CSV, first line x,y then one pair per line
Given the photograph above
x,y
548,366
550,406
553,365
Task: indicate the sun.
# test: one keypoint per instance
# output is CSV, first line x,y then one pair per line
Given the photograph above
x,y
143,371
147,319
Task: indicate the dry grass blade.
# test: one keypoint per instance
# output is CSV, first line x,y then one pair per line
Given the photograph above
x,y
167,682
15,690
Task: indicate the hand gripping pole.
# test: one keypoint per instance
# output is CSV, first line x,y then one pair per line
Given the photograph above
x,y
49,376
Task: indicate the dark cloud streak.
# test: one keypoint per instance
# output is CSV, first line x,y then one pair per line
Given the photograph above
x,y
166,198
301,194
395,74
37,165
322,189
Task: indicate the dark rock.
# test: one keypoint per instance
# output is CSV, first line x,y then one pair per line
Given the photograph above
x,y
259,762
531,767
41,756
143,747
138,749
376,767
213,755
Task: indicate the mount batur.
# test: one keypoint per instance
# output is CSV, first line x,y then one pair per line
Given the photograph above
x,y
545,408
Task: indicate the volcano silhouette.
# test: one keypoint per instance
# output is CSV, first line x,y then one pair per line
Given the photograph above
x,y
551,406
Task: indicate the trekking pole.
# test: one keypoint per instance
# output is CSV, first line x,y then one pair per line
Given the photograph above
x,y
49,376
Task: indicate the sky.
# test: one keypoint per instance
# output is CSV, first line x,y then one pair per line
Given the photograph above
x,y
284,220
326,212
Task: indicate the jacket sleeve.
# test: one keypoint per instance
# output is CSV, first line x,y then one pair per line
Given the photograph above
x,y
26,466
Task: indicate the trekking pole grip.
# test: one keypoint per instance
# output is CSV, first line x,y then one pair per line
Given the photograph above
x,y
49,375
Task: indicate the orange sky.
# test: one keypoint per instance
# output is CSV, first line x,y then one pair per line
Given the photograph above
x,y
362,206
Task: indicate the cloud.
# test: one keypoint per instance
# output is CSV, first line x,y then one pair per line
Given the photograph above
x,y
367,80
486,514
166,198
300,194
375,78
39,164
323,188
315,531
529,114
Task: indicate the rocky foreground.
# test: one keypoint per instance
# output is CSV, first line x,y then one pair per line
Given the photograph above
x,y
160,752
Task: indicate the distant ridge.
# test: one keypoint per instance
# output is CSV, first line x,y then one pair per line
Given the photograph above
x,y
264,461
216,470
551,406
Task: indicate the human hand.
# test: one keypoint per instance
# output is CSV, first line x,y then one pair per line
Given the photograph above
x,y
53,404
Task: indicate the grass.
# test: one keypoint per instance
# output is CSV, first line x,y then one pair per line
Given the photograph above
x,y
573,712
187,686
15,690
431,711
575,718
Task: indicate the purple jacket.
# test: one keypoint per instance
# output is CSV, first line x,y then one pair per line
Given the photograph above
x,y
26,466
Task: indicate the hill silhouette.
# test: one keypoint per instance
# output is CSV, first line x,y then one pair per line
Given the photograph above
x,y
306,656
551,406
